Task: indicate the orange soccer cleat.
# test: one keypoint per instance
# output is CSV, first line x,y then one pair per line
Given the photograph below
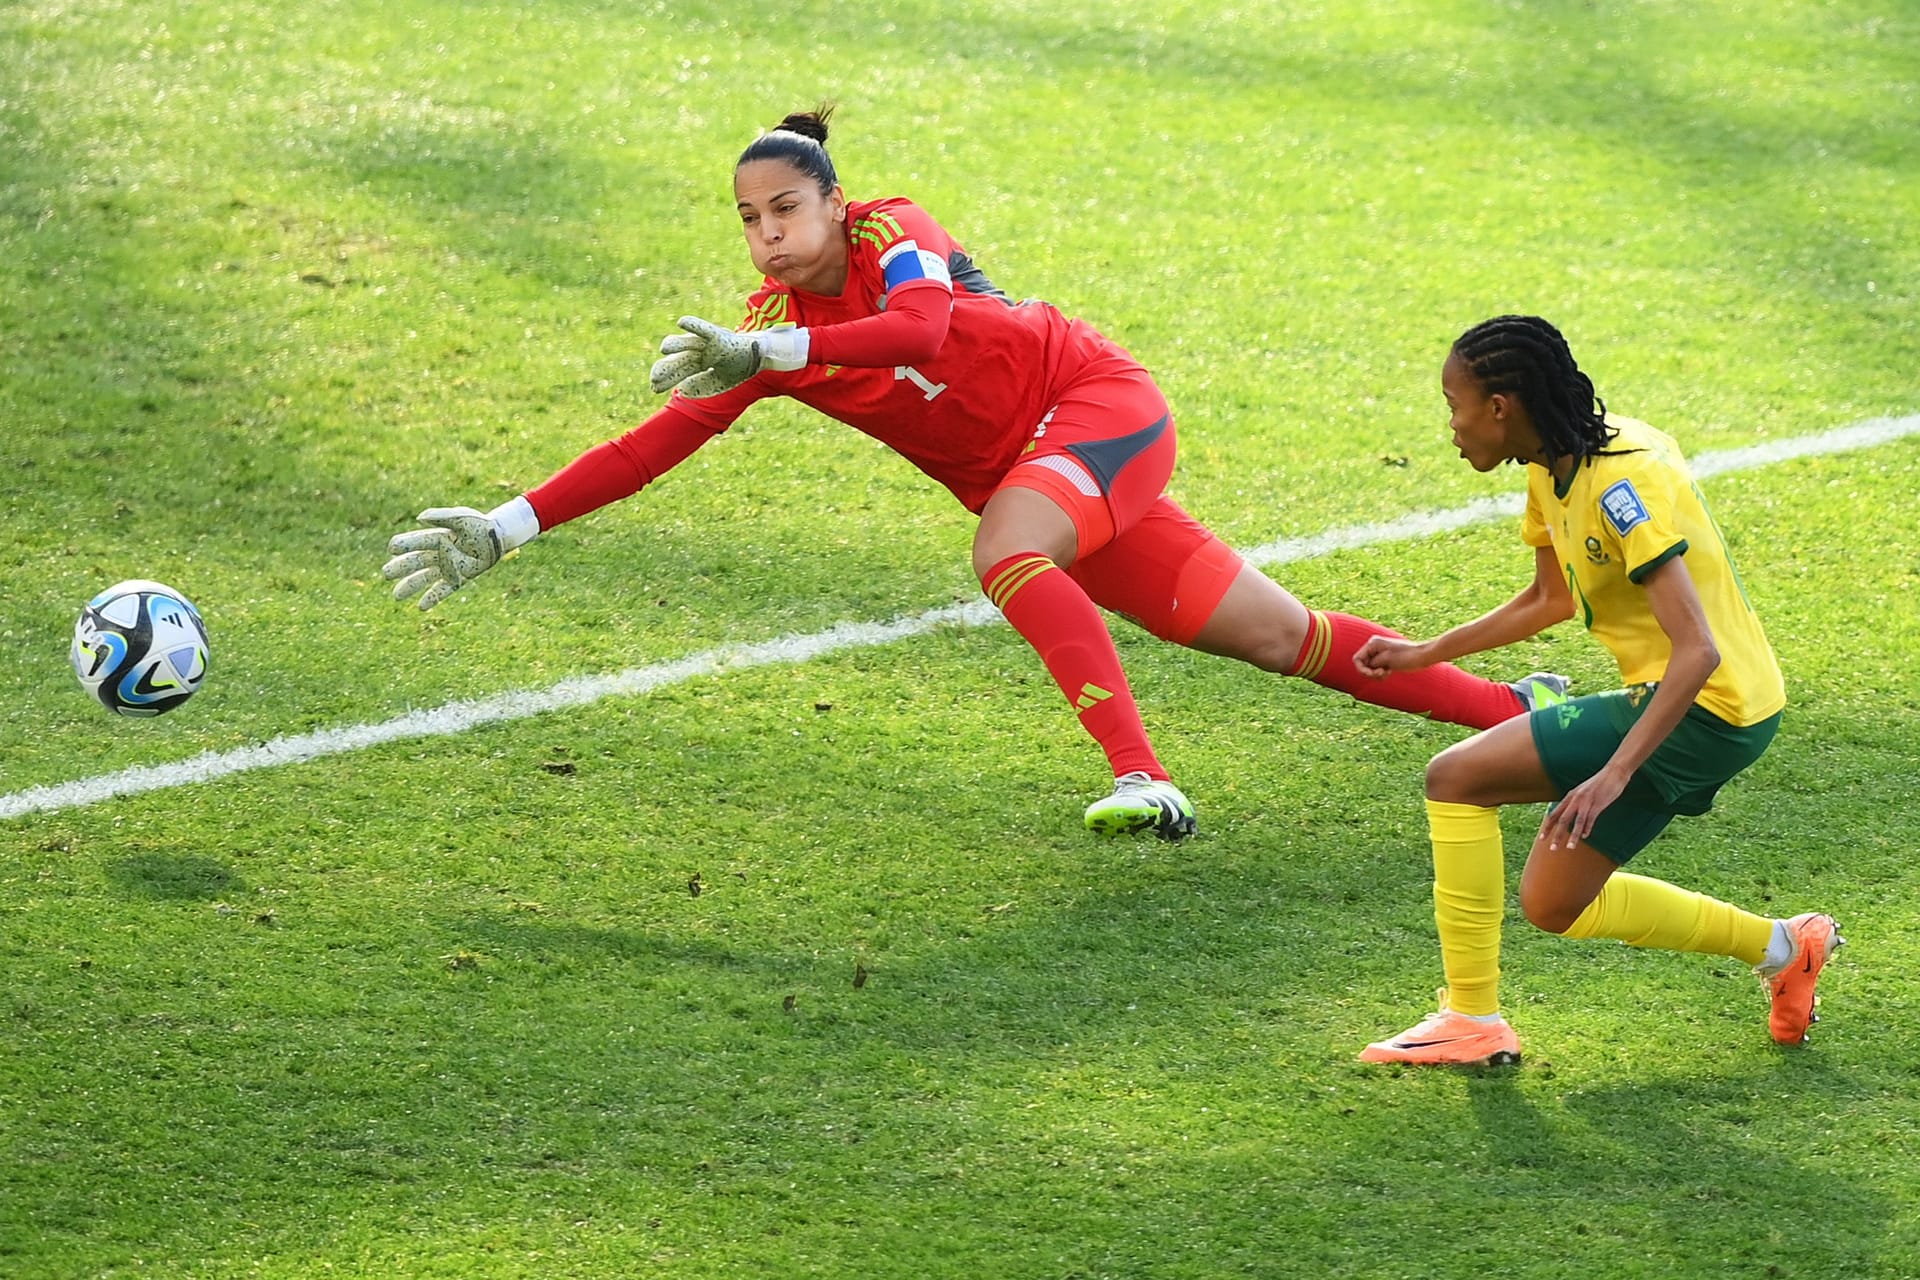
x,y
1449,1039
1815,937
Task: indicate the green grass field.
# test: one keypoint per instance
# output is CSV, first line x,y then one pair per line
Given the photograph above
x,y
807,968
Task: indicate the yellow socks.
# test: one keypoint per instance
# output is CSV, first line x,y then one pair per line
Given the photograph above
x,y
1469,898
1652,913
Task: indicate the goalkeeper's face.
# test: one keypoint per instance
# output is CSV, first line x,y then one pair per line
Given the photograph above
x,y
795,232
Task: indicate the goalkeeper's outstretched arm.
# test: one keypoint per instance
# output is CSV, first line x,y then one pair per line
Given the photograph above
x,y
459,544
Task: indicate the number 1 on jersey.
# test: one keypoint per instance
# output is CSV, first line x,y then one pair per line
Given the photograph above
x,y
919,379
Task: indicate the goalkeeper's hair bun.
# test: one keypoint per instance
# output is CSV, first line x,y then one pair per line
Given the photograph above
x,y
801,141
811,124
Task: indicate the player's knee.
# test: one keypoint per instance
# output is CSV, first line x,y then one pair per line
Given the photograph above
x,y
1019,521
983,561
1547,909
1451,778
1257,621
1260,648
986,556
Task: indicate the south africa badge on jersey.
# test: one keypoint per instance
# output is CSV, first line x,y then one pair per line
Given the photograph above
x,y
1622,506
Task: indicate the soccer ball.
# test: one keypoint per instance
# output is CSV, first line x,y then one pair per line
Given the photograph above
x,y
140,648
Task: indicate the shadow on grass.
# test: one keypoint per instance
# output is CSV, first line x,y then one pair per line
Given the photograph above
x,y
1685,1166
1147,1042
172,877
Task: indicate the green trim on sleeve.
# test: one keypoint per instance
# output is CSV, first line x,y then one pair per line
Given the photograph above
x,y
1639,575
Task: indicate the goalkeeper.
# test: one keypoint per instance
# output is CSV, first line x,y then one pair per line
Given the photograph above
x,y
1056,437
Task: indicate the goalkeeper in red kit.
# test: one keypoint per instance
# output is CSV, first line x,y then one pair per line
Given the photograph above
x,y
1056,437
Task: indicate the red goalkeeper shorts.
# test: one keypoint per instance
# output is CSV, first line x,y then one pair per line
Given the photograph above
x,y
1103,454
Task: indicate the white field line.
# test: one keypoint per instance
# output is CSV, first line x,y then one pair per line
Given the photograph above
x,y
455,717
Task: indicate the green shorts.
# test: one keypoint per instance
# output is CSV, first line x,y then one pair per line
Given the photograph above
x,y
1577,738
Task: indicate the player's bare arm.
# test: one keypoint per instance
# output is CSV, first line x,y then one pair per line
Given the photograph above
x,y
1542,603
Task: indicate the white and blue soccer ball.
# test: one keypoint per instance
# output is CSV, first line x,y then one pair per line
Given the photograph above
x,y
140,648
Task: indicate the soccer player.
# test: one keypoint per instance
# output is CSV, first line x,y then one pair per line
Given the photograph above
x,y
1061,443
1623,541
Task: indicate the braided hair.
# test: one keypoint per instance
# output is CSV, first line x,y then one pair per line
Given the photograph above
x,y
801,141
1524,356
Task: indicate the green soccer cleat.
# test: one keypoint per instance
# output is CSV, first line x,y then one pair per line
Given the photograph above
x,y
1140,803
1541,689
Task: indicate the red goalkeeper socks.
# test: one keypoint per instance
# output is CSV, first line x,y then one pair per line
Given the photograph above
x,y
1442,692
1066,630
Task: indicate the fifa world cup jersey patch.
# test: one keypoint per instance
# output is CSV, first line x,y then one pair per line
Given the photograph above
x,y
1622,506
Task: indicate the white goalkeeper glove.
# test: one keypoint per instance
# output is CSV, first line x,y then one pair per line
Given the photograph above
x,y
707,359
434,563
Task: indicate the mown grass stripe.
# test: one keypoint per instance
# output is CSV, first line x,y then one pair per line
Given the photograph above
x,y
456,717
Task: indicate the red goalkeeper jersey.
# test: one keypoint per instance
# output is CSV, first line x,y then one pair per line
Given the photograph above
x,y
962,415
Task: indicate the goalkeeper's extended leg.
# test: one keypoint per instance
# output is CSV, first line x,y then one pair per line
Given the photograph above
x,y
1259,621
1440,692
1066,629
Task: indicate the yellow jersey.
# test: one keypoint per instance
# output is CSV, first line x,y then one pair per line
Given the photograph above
x,y
1621,516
